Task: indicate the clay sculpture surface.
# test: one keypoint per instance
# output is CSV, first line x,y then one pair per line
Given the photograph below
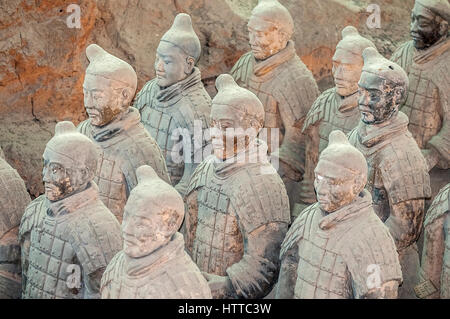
x,y
13,201
237,209
434,275
284,85
109,86
338,247
426,60
398,175
67,236
334,109
175,105
153,263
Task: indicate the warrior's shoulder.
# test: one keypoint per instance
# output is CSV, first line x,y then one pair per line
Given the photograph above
x,y
296,231
243,67
114,270
33,214
440,205
319,108
145,95
404,54
200,176
85,127
259,197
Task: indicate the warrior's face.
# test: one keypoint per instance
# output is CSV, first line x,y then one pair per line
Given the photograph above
x,y
171,64
426,27
143,231
104,99
333,188
378,98
265,38
231,131
60,178
347,68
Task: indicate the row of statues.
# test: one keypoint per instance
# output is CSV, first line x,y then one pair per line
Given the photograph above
x,y
128,213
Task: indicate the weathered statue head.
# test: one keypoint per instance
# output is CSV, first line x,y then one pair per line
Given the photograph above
x,y
177,53
109,86
348,61
153,214
237,116
340,174
270,27
429,22
382,88
70,162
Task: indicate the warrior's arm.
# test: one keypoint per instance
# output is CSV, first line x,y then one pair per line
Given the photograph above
x,y
288,274
256,272
437,150
432,256
25,251
92,283
307,194
189,226
405,221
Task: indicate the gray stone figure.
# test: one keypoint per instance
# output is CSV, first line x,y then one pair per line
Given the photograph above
x,y
334,109
237,209
434,275
338,248
426,60
13,201
398,175
109,86
67,236
172,103
284,85
153,263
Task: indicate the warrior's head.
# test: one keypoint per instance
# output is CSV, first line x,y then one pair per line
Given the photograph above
x,y
178,52
270,27
153,214
429,22
237,116
340,174
109,86
348,61
382,88
70,162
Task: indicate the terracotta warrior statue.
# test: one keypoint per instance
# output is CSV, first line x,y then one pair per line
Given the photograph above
x,y
334,109
426,60
175,105
237,209
434,275
273,71
398,176
109,86
338,247
153,263
67,236
13,201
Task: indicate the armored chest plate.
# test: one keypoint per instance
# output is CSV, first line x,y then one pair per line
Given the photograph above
x,y
422,107
162,125
321,271
49,258
111,182
218,240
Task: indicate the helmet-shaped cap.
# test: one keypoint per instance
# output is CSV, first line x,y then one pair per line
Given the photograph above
x,y
274,12
182,35
108,66
353,42
375,63
231,94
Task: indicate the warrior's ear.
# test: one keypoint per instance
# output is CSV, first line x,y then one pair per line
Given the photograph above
x,y
190,64
443,27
